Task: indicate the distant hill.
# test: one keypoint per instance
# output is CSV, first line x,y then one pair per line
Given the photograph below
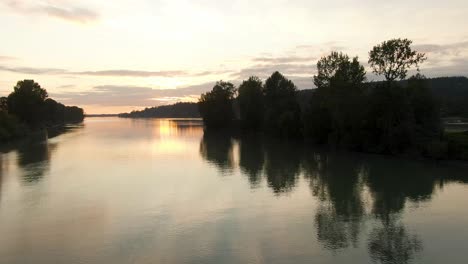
x,y
101,115
178,110
451,92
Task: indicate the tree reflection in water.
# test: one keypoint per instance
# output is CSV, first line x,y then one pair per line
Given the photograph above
x,y
353,190
282,165
34,159
335,180
392,243
217,149
252,158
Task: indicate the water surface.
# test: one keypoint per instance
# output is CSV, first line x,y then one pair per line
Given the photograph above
x,y
161,191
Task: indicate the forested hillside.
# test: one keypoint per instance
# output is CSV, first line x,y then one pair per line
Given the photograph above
x,y
178,110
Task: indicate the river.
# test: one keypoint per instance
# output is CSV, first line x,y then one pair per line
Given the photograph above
x,y
118,190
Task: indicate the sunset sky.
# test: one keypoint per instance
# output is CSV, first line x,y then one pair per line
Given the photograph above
x,y
121,55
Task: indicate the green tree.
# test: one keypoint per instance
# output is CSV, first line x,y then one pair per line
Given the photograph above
x,y
216,106
251,105
393,58
282,112
26,102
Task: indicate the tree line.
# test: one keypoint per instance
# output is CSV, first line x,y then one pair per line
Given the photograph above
x,y
177,110
28,108
344,111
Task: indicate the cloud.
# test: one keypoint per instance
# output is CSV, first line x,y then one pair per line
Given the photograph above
x,y
7,58
108,73
120,95
283,60
449,59
300,74
66,86
132,73
457,67
29,70
447,49
57,9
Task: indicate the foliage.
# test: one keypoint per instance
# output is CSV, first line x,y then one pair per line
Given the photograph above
x,y
177,110
28,107
10,128
282,112
26,102
335,112
337,67
4,104
216,106
393,58
251,103
390,120
397,116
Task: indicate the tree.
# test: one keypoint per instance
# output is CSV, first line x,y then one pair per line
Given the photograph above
x,y
4,104
251,103
337,67
390,118
216,106
282,112
26,102
336,110
393,58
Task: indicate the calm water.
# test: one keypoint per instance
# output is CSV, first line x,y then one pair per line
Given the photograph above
x,y
160,191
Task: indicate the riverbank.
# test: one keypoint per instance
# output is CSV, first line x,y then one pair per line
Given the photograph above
x,y
37,135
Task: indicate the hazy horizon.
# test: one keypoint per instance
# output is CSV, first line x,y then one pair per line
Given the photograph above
x,y
100,56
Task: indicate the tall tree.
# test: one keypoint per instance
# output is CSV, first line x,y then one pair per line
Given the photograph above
x,y
393,58
282,112
4,104
216,106
26,102
337,67
251,105
336,109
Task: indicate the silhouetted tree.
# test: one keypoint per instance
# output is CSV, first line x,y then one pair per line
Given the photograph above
x,y
251,103
282,112
427,122
177,110
55,112
401,118
391,119
4,104
338,68
9,127
26,102
336,110
216,106
73,114
393,58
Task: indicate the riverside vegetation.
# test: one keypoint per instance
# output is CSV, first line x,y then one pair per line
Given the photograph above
x,y
398,116
28,109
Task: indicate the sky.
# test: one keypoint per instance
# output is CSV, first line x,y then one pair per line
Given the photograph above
x,y
122,55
